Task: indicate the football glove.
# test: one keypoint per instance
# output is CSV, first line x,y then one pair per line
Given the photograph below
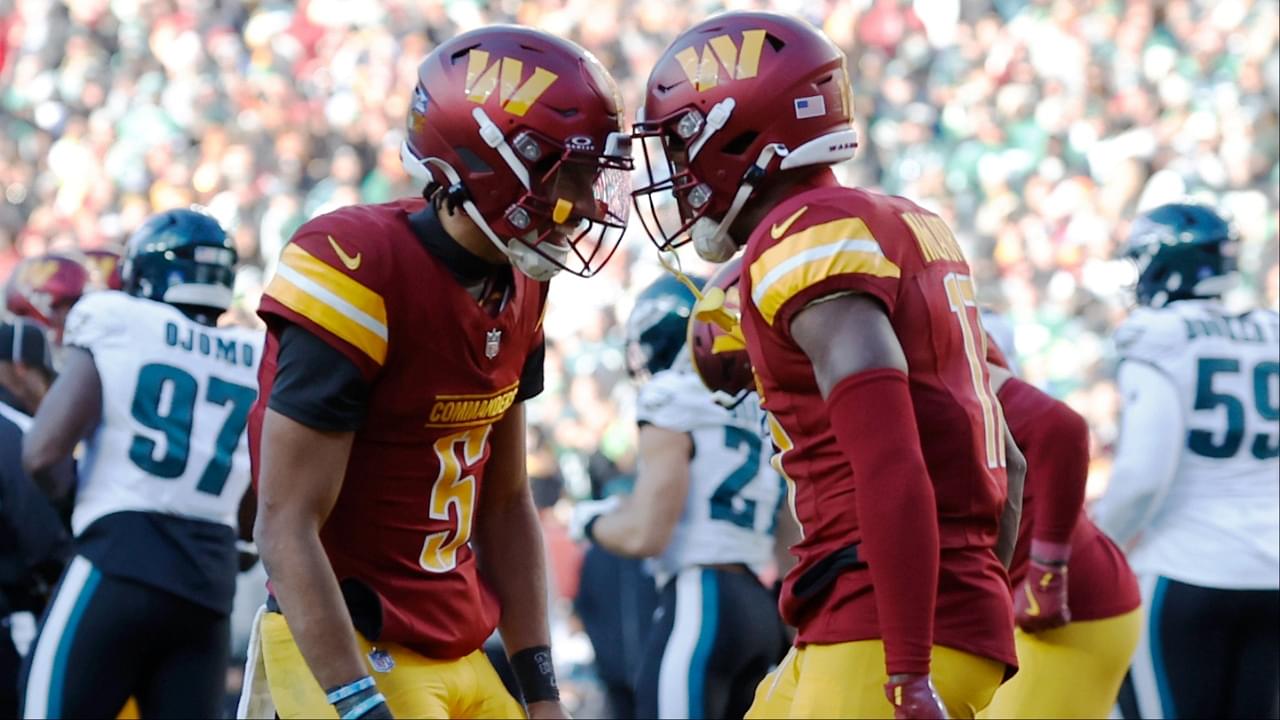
x,y
913,696
1040,603
586,511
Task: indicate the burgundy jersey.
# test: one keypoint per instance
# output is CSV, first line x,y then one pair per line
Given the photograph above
x,y
441,371
1100,583
830,241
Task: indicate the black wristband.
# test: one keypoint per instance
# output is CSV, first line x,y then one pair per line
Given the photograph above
x,y
536,674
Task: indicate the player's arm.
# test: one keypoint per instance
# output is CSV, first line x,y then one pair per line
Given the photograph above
x,y
316,404
68,413
861,371
641,525
1145,465
508,544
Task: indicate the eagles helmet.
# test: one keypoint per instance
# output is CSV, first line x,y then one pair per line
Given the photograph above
x,y
181,257
1183,251
656,330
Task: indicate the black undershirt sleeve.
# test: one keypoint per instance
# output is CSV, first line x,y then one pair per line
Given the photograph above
x,y
532,379
317,385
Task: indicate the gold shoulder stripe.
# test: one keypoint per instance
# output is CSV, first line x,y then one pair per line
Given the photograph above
x,y
332,300
839,247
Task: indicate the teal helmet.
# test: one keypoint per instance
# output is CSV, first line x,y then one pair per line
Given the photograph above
x,y
1183,251
657,328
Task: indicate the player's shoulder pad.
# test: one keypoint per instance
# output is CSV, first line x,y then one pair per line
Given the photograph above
x,y
335,273
677,400
100,316
1151,335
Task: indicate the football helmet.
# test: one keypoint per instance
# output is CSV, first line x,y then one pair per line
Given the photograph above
x,y
181,257
657,327
44,288
733,102
523,131
104,268
715,338
1182,251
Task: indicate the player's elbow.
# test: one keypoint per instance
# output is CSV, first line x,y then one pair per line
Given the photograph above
x,y
278,534
649,542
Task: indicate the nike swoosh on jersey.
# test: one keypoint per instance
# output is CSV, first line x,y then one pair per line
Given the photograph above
x,y
780,229
352,263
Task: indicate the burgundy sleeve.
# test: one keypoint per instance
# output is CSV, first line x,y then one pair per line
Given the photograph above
x,y
874,420
1060,462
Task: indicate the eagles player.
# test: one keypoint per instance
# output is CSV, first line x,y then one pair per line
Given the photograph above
x,y
1194,492
395,517
703,508
161,397
860,319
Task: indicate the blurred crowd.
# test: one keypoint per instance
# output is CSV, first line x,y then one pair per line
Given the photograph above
x,y
1035,127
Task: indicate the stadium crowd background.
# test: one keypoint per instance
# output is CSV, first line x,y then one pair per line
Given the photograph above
x,y
1035,127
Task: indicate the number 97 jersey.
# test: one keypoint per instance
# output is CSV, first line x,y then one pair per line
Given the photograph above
x,y
176,396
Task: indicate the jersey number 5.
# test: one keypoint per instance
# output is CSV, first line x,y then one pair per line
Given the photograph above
x,y
455,486
964,303
174,418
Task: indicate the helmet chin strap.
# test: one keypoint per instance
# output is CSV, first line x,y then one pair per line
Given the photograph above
x,y
711,239
522,257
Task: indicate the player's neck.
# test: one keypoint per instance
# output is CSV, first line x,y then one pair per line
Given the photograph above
x,y
467,234
775,194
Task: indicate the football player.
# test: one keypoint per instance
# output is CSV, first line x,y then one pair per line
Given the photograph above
x,y
44,288
1193,493
1074,645
395,518
104,268
861,323
703,508
161,397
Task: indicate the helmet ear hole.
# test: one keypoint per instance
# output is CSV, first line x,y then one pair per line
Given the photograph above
x,y
741,143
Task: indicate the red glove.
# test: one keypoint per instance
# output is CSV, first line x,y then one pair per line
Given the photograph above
x,y
913,696
1041,602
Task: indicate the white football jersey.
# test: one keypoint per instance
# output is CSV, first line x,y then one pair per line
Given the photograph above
x,y
176,396
1219,523
734,493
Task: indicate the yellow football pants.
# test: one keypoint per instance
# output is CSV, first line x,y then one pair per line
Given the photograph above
x,y
1073,671
846,680
415,686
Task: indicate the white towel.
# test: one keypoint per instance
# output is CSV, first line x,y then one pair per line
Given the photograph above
x,y
255,692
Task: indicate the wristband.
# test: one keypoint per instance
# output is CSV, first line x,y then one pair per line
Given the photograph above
x,y
535,673
356,699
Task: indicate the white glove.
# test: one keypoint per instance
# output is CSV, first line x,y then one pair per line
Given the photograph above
x,y
587,510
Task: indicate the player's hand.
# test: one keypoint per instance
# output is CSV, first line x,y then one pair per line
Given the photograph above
x,y
586,511
1041,601
913,696
548,710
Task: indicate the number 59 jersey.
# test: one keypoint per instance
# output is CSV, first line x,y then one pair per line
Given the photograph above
x,y
176,396
734,494
1219,523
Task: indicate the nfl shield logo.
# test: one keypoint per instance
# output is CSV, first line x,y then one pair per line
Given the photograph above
x,y
491,340
381,660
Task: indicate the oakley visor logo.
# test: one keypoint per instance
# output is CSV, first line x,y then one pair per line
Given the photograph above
x,y
740,62
515,93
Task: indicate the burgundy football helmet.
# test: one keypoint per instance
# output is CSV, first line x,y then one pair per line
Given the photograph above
x,y
104,268
715,338
44,288
523,131
733,102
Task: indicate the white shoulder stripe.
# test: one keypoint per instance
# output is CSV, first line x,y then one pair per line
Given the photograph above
x,y
816,253
322,294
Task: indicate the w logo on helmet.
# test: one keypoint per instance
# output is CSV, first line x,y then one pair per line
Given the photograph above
x,y
38,273
703,68
515,96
